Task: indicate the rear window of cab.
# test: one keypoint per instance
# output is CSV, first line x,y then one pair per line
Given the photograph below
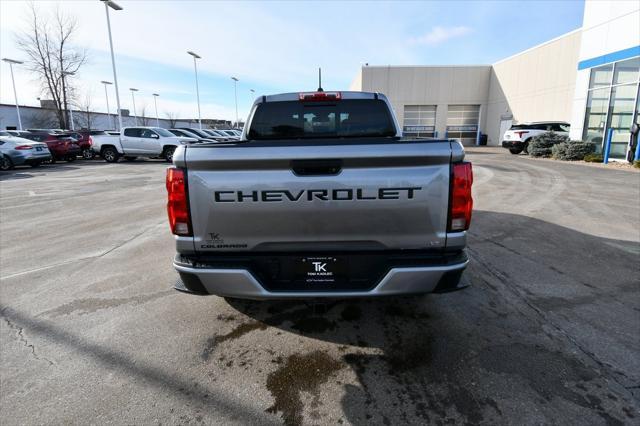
x,y
306,120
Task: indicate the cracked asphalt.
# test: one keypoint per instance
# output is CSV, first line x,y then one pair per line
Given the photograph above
x,y
548,332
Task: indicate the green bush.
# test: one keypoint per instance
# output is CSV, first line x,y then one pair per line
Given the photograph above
x,y
572,151
593,158
540,146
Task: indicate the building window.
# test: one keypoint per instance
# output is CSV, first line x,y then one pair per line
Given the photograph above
x,y
611,104
462,123
419,121
596,116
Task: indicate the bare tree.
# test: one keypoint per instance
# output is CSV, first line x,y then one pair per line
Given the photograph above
x,y
144,120
87,115
52,57
173,119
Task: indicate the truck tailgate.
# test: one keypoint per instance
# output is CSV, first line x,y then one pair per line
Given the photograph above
x,y
283,198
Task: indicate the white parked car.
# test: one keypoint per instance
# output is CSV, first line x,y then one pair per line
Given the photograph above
x,y
517,138
134,142
15,151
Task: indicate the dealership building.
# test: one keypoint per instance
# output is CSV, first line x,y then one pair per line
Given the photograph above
x,y
588,78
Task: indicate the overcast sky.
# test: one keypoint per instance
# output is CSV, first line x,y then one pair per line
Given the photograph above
x,y
275,46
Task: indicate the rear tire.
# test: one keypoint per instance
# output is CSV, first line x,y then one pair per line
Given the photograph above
x,y
5,163
130,158
88,154
168,153
516,151
110,154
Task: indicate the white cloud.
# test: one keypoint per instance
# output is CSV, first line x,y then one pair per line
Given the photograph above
x,y
438,35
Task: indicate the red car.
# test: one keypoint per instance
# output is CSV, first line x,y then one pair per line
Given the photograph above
x,y
83,138
61,145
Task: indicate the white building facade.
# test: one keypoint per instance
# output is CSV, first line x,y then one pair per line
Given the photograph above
x,y
587,77
607,83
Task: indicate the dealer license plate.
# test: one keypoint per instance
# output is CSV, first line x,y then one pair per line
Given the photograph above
x,y
321,270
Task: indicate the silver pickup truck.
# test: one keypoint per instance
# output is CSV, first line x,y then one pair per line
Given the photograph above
x,y
321,197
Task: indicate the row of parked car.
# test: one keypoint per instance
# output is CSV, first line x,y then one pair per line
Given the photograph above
x,y
34,147
155,142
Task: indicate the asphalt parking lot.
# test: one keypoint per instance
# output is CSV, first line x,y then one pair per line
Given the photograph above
x,y
548,332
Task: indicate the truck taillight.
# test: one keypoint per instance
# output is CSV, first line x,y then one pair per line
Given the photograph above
x,y
461,202
177,205
90,141
320,96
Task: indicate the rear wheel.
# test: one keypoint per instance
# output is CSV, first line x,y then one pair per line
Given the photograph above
x,y
128,158
5,163
88,154
516,150
110,154
168,153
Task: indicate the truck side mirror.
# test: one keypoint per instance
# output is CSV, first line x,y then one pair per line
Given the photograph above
x,y
155,136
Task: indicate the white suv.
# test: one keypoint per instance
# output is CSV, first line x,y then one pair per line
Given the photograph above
x,y
517,138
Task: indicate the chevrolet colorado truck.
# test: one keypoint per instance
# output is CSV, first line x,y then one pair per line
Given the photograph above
x,y
134,142
321,197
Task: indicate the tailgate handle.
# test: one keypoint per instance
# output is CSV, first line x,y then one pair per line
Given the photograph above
x,y
316,167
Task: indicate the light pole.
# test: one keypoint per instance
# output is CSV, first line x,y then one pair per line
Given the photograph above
x,y
252,96
155,102
106,95
111,4
195,67
69,106
235,92
15,94
133,98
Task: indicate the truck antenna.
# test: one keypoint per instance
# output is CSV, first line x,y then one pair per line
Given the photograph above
x,y
320,80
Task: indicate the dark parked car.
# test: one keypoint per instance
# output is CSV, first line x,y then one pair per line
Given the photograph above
x,y
188,134
61,145
202,134
18,133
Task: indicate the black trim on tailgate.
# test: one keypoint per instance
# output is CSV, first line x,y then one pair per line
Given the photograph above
x,y
278,271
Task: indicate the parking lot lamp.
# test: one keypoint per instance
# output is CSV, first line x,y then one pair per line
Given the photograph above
x,y
106,94
15,94
155,102
133,98
195,67
235,92
113,5
69,106
252,96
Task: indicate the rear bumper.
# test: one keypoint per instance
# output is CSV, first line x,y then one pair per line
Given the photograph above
x,y
29,158
512,144
37,160
64,153
438,277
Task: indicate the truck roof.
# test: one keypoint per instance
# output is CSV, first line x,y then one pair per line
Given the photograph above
x,y
294,96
